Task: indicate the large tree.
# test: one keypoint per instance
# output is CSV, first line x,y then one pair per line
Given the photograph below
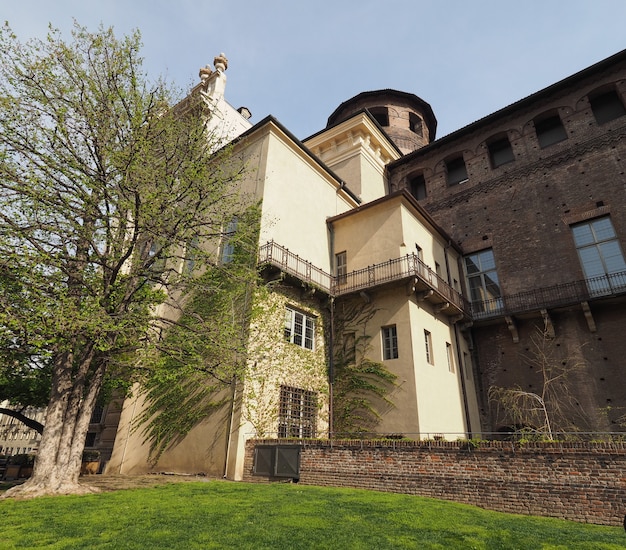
x,y
106,192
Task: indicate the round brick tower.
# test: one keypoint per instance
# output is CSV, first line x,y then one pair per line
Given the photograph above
x,y
407,119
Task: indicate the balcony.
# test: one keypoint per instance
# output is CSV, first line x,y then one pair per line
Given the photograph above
x,y
551,297
409,269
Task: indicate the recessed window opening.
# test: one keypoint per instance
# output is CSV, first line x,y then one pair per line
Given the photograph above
x,y
390,342
381,115
500,152
549,131
457,171
417,185
428,344
607,106
342,267
450,356
416,124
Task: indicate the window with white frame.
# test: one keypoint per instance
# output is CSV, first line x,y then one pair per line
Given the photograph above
x,y
390,342
482,281
341,260
600,254
428,345
297,412
299,328
450,357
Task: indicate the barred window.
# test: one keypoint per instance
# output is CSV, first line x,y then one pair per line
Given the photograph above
x,y
297,412
299,328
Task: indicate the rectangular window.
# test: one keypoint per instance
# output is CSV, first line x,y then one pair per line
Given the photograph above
x,y
417,186
607,106
228,243
550,131
457,171
90,440
419,252
390,342
450,357
341,260
299,328
600,255
428,343
297,412
500,152
482,281
96,415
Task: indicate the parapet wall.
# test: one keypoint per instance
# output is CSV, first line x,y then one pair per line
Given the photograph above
x,y
584,482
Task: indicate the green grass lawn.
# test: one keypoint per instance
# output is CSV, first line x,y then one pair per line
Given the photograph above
x,y
220,514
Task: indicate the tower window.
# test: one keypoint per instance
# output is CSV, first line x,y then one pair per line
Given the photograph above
x,y
607,106
550,130
381,114
416,124
457,171
500,152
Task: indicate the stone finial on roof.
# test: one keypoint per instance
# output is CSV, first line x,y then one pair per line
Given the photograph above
x,y
220,62
205,72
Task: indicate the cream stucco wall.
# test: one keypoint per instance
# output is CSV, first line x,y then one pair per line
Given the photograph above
x,y
430,398
297,194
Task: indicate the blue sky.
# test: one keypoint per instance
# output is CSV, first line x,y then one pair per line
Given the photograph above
x,y
299,60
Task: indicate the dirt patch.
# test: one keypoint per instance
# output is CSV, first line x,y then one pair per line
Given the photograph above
x,y
118,482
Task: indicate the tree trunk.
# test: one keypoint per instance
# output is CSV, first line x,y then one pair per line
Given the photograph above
x,y
59,458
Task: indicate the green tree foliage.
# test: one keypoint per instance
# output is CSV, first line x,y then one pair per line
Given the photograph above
x,y
360,385
103,190
203,351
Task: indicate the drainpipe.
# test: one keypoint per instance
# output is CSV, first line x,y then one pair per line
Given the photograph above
x,y
331,359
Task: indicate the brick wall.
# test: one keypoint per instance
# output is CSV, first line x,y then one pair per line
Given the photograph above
x,y
584,482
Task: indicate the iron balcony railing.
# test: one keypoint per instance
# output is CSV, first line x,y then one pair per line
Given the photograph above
x,y
406,267
277,255
560,295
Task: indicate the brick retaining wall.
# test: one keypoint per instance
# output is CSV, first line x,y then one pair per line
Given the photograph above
x,y
583,482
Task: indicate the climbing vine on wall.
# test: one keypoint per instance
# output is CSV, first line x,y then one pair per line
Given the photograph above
x,y
361,385
202,349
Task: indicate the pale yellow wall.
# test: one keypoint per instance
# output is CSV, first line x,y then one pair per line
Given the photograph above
x,y
429,398
203,450
297,195
439,395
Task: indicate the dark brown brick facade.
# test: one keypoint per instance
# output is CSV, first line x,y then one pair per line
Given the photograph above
x,y
584,482
523,210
